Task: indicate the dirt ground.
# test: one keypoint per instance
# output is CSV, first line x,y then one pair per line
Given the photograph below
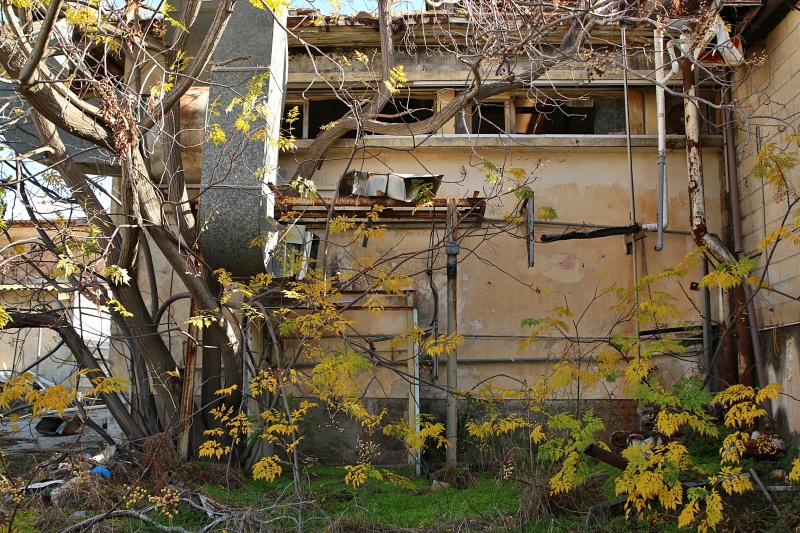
x,y
29,441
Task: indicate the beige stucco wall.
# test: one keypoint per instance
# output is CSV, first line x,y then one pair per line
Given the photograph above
x,y
496,289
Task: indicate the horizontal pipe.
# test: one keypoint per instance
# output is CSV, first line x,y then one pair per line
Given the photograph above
x,y
595,234
558,223
605,456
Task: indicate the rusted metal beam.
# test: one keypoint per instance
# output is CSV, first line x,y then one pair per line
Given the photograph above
x,y
470,211
369,201
605,456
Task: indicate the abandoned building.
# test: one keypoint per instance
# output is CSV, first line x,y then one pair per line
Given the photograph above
x,y
604,149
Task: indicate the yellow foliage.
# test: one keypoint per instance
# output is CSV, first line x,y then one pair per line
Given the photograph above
x,y
713,509
117,275
119,308
333,377
110,384
397,79
729,275
222,413
203,318
357,474
773,164
436,347
267,468
398,480
789,233
56,398
5,318
226,391
553,320
688,513
496,426
239,426
15,389
538,435
361,56
417,440
637,370
769,392
264,381
650,476
794,475
744,403
734,481
213,449
564,480
733,447
342,223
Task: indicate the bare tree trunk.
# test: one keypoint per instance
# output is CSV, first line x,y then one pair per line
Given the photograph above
x,y
56,321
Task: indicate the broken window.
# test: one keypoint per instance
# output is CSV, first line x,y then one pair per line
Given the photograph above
x,y
295,127
321,113
489,118
585,115
313,116
407,110
596,115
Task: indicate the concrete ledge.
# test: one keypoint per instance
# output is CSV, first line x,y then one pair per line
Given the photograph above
x,y
511,141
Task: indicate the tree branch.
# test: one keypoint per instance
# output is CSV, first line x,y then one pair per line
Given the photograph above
x,y
41,42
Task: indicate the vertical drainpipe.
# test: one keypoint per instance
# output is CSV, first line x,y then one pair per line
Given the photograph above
x,y
744,351
707,344
452,249
736,221
413,371
630,173
713,245
662,79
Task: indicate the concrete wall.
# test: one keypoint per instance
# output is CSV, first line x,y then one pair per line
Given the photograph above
x,y
770,102
496,290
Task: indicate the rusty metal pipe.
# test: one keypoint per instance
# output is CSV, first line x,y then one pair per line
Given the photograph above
x,y
452,249
733,184
605,456
733,171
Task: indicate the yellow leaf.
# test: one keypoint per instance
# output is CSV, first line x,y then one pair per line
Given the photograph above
x,y
226,391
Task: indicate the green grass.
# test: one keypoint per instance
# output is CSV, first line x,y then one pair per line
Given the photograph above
x,y
380,502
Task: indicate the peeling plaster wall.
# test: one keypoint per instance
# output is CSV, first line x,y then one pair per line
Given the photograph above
x,y
496,289
771,91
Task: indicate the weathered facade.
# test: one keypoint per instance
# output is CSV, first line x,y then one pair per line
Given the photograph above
x,y
584,138
569,139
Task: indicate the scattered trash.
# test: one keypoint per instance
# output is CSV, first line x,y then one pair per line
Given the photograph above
x,y
50,483
764,445
78,515
105,456
55,426
101,471
438,485
59,492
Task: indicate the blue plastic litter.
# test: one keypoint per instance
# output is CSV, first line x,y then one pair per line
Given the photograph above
x,y
101,471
